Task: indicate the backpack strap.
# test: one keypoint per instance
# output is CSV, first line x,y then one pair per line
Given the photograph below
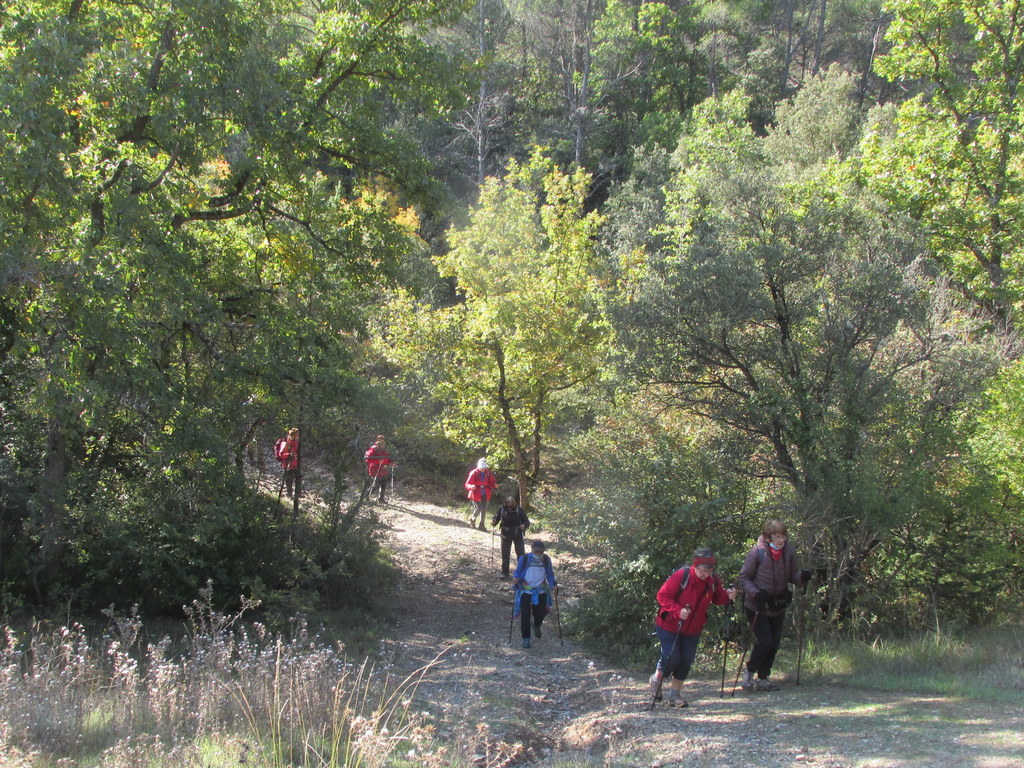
x,y
686,580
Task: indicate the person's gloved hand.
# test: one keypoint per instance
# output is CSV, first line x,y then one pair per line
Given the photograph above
x,y
760,599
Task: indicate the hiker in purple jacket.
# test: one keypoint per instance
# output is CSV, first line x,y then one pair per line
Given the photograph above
x,y
768,570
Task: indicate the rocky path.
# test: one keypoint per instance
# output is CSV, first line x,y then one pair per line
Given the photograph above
x,y
554,706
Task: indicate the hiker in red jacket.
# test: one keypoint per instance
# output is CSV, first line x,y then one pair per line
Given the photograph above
x,y
683,602
479,485
378,466
288,453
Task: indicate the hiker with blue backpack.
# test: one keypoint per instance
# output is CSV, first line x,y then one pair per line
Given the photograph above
x,y
535,587
767,571
683,602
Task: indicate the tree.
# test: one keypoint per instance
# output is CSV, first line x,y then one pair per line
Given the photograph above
x,y
948,157
785,307
529,325
196,194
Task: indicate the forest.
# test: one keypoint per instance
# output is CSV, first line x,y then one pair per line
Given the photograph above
x,y
674,267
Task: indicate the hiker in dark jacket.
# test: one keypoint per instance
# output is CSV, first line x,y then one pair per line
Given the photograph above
x,y
514,523
534,587
683,603
768,570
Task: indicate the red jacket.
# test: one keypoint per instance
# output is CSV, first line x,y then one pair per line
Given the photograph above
x,y
481,479
377,460
289,454
698,594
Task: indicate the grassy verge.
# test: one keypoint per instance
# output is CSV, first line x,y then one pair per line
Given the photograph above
x,y
231,694
986,664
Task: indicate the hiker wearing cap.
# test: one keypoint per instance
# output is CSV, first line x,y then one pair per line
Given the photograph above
x,y
768,570
535,586
378,466
479,486
514,523
683,602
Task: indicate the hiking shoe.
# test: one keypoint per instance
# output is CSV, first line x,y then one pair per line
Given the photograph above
x,y
526,642
536,631
765,685
675,699
655,688
747,681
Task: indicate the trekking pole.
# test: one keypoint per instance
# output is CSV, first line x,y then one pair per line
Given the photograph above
x,y
490,560
512,618
671,653
800,641
725,644
558,620
280,489
743,657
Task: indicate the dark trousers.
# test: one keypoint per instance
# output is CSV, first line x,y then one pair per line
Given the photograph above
x,y
526,608
767,639
378,486
506,549
677,653
292,482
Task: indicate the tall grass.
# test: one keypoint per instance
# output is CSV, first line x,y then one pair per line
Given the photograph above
x,y
228,694
986,665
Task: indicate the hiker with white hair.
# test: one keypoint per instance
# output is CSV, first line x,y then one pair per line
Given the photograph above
x,y
479,486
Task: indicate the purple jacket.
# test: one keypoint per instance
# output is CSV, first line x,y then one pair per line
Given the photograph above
x,y
760,571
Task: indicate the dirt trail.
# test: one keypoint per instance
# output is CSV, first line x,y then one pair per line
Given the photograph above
x,y
554,706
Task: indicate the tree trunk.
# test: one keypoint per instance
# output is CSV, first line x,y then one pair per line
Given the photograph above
x,y
875,41
515,442
481,108
787,58
52,501
820,38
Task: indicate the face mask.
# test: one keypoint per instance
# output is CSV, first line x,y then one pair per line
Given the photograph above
x,y
774,546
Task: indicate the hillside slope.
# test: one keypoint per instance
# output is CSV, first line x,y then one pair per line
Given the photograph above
x,y
554,706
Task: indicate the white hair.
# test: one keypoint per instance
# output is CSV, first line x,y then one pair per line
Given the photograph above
x,y
482,464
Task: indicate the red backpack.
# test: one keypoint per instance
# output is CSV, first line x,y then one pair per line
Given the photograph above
x,y
279,453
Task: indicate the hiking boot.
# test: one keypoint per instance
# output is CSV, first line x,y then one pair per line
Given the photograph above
x,y
536,631
747,681
675,699
765,685
655,687
526,642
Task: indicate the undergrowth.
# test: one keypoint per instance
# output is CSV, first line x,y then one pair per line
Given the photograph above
x,y
233,694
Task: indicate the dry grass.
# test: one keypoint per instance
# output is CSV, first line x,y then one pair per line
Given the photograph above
x,y
230,694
